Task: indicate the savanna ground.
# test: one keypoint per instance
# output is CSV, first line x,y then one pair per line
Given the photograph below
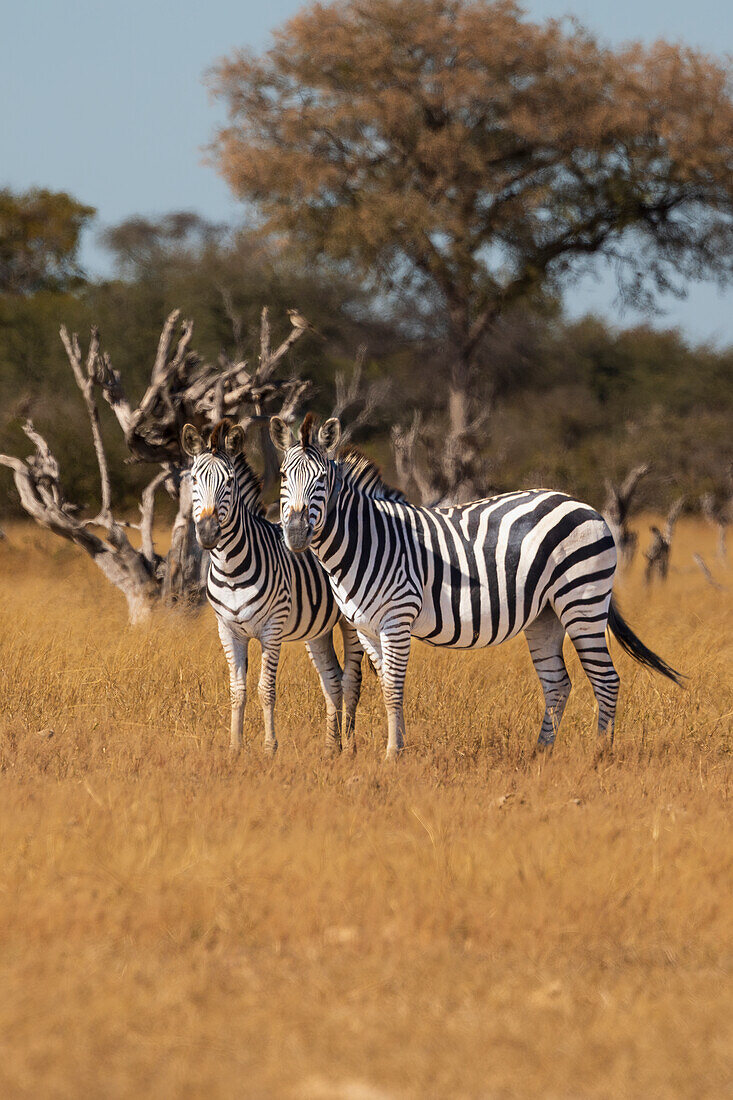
x,y
473,922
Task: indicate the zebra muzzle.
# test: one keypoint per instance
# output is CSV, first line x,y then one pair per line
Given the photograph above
x,y
208,531
298,531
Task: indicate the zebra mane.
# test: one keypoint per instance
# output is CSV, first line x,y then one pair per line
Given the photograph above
x,y
306,428
362,474
250,484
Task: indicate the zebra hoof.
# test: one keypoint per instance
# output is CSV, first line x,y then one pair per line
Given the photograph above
x,y
603,750
544,748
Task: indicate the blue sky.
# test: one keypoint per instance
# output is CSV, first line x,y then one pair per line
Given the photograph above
x,y
107,100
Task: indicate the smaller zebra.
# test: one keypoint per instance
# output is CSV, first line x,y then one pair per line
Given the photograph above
x,y
259,589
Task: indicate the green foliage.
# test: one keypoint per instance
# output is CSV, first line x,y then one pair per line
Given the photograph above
x,y
572,403
39,240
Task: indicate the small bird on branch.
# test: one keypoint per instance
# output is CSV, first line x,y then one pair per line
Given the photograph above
x,y
298,321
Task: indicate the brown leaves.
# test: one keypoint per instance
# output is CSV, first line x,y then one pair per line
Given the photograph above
x,y
369,124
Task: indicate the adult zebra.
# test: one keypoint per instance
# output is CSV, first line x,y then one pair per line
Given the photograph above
x,y
259,589
462,577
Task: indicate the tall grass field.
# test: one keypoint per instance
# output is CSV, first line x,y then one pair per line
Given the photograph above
x,y
474,921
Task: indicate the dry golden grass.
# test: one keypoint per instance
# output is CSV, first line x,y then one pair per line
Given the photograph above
x,y
472,922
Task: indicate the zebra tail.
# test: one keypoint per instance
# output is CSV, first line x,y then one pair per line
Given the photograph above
x,y
626,638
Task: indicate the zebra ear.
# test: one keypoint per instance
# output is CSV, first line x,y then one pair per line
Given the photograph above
x,y
191,441
234,442
330,434
281,433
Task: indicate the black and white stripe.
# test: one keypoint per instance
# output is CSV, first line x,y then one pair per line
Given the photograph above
x,y
259,589
463,577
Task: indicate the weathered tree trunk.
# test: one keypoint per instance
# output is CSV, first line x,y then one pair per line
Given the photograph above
x,y
184,578
38,485
452,470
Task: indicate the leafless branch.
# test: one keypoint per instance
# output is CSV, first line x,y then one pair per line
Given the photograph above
x,y
357,400
699,560
38,485
147,516
85,376
235,319
409,470
182,388
617,510
718,509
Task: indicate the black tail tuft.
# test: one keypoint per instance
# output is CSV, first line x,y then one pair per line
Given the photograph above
x,y
626,638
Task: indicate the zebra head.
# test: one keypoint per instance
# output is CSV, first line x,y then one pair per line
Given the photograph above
x,y
214,488
308,478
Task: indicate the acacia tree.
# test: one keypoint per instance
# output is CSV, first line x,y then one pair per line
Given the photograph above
x,y
458,153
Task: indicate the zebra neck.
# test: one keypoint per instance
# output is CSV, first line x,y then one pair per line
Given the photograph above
x,y
343,498
250,485
241,527
336,487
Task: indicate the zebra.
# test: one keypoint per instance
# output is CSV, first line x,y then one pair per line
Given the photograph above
x,y
258,589
464,577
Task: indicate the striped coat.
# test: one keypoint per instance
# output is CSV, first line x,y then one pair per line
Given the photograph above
x,y
260,590
463,577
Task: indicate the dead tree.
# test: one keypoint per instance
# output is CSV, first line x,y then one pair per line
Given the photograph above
x,y
443,469
657,556
411,474
617,509
717,508
38,483
183,388
357,400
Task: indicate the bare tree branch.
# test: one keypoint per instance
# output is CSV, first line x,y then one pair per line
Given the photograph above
x,y
147,516
37,482
617,510
409,470
85,378
699,560
182,388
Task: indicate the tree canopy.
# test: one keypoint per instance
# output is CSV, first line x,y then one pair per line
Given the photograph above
x,y
463,153
40,232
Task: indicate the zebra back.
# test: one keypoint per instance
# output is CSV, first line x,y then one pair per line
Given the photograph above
x,y
364,476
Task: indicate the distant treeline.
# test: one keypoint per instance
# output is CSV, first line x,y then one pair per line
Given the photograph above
x,y
572,402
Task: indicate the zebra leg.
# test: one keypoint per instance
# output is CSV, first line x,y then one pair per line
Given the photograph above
x,y
395,641
589,639
373,649
266,690
545,637
350,682
325,662
235,651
